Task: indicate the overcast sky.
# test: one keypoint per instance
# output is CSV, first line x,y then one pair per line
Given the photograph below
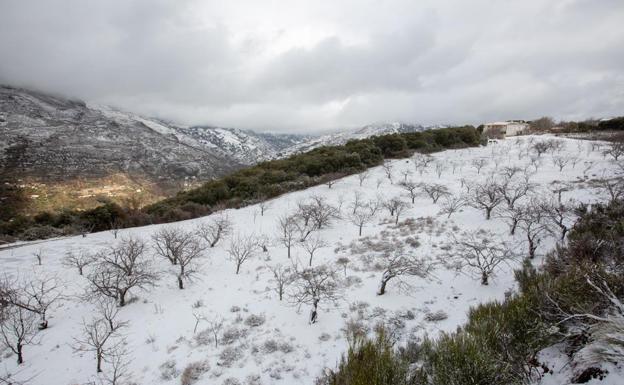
x,y
298,66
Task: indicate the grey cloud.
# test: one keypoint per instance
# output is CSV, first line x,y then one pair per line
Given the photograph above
x,y
302,65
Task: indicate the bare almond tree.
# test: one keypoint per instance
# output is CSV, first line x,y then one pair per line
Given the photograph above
x,y
101,336
421,162
434,190
39,257
512,191
511,215
215,229
120,269
399,264
363,176
440,168
187,256
452,204
559,187
560,217
357,201
395,207
18,328
41,293
486,196
510,171
479,251
312,244
387,168
412,188
282,277
533,223
288,228
169,242
79,260
478,164
264,206
560,162
615,150
313,286
361,217
241,249
613,187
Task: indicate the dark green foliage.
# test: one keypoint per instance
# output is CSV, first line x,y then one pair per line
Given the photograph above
x,y
369,362
612,124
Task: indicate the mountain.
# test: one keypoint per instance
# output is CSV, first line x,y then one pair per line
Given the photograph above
x,y
342,137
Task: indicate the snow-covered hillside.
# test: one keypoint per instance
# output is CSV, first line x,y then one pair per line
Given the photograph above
x,y
267,341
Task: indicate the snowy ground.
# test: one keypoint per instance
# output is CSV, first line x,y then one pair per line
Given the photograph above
x,y
286,349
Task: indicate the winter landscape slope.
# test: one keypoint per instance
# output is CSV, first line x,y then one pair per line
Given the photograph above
x,y
267,341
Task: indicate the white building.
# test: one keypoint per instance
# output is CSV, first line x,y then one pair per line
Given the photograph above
x,y
508,128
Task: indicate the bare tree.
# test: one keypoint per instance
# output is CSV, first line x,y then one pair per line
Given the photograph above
x,y
101,335
406,173
559,215
387,168
169,242
510,172
479,251
440,168
215,325
511,215
78,260
513,191
119,361
486,196
452,204
411,188
18,328
541,147
361,217
288,228
559,187
282,277
313,286
434,190
614,187
534,225
357,201
39,256
343,261
186,257
421,162
395,207
560,162
363,176
215,230
120,269
264,206
615,150
41,293
312,244
398,264
478,164
241,249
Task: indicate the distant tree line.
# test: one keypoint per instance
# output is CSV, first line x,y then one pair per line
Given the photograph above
x,y
243,187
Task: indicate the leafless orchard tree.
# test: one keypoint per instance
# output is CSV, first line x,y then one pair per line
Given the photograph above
x,y
587,166
18,328
615,150
421,162
282,277
452,204
535,162
312,244
510,171
120,269
363,176
614,187
406,173
357,202
170,241
215,325
187,255
36,295
541,147
387,168
395,207
412,188
511,215
78,260
486,196
313,286
478,164
440,168
399,264
101,335
533,223
479,251
434,190
512,191
215,229
559,215
362,216
264,206
241,249
39,257
288,229
343,262
314,215
119,362
560,162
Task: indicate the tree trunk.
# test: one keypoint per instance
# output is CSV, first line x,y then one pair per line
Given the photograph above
x,y
314,312
488,213
180,282
20,357
513,227
99,362
288,251
311,259
384,280
532,248
360,234
238,265
484,278
122,298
